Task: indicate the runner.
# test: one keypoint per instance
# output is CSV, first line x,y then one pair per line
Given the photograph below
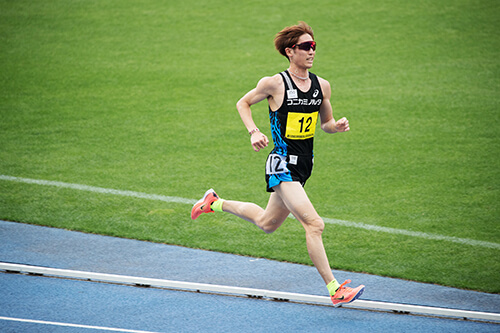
x,y
296,98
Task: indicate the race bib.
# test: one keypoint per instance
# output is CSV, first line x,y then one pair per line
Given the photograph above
x,y
301,126
276,164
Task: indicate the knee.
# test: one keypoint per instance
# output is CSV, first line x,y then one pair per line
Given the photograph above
x,y
314,225
269,226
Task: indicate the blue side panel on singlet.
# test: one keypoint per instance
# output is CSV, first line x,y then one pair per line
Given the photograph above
x,y
280,147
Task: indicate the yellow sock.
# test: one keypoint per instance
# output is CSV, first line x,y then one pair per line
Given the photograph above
x,y
333,286
217,205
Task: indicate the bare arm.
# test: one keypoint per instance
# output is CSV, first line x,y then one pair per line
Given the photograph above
x,y
328,123
265,89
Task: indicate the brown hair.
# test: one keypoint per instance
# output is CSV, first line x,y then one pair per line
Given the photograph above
x,y
290,36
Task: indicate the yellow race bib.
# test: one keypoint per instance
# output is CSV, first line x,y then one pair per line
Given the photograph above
x,y
301,126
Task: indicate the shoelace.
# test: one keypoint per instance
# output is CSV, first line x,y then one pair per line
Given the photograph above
x,y
342,288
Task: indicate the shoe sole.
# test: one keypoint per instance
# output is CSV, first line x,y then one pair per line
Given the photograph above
x,y
360,292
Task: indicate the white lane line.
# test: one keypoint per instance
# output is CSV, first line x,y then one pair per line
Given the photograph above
x,y
54,323
141,195
464,241
95,189
238,291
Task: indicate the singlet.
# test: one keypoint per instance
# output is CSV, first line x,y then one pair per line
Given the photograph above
x,y
293,125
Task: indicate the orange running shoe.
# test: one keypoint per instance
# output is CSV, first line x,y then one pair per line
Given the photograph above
x,y
346,294
203,205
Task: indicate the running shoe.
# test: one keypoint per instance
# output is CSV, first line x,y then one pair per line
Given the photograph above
x,y
203,205
346,294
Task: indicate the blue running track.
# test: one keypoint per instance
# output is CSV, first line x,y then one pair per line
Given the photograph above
x,y
66,305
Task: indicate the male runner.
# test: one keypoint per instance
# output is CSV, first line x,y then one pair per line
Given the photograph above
x,y
296,98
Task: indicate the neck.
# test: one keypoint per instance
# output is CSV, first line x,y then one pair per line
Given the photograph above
x,y
301,74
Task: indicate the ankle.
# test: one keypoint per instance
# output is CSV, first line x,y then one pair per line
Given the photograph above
x,y
333,286
217,205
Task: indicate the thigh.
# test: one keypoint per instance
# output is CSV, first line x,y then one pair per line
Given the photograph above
x,y
296,201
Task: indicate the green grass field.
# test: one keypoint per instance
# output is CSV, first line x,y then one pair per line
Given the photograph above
x,y
140,96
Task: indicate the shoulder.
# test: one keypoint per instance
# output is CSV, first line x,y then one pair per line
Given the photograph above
x,y
325,86
270,81
270,84
324,83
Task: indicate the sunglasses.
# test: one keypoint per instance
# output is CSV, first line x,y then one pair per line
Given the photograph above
x,y
306,46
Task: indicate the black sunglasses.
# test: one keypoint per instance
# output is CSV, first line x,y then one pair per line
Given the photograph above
x,y
306,46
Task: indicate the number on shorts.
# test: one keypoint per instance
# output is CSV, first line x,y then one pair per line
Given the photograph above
x,y
276,164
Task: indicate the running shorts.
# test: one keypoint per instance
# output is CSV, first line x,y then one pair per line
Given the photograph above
x,y
290,168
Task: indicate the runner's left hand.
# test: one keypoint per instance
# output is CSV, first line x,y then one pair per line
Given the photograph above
x,y
342,125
